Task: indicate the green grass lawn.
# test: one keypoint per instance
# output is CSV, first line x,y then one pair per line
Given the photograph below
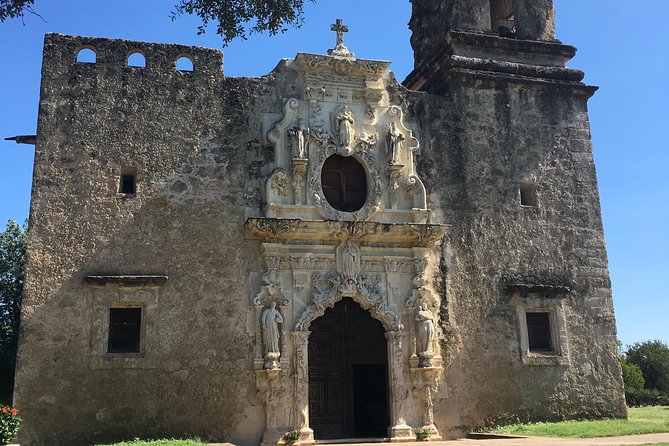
x,y
170,442
642,420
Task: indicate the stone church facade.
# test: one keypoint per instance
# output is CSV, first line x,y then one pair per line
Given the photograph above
x,y
320,248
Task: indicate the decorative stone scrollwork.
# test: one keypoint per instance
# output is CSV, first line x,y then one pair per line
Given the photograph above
x,y
324,64
289,112
427,234
327,147
277,185
272,228
330,288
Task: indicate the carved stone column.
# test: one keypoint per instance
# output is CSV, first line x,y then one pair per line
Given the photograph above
x,y
301,344
399,430
298,169
271,385
426,385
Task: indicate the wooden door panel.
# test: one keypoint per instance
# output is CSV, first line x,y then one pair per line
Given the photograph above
x,y
344,339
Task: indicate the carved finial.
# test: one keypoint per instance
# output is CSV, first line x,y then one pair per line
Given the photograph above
x,y
340,49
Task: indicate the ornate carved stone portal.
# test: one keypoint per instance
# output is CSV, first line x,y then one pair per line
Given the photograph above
x,y
315,254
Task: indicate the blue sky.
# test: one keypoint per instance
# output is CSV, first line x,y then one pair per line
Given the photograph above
x,y
622,48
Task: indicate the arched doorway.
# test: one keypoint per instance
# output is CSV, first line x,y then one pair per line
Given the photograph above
x,y
348,374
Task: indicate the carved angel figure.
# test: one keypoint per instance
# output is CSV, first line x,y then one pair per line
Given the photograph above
x,y
395,141
425,320
270,319
345,127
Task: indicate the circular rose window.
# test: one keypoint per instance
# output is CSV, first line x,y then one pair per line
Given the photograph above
x,y
344,183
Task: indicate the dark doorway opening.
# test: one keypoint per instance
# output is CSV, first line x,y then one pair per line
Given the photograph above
x,y
348,370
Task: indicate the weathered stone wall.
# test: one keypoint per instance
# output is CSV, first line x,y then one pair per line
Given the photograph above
x,y
198,142
480,141
187,133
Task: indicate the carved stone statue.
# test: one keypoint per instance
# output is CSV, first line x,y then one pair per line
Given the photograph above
x,y
298,138
395,141
425,322
350,261
270,319
345,127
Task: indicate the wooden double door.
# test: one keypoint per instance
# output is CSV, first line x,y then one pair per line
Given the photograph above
x,y
348,374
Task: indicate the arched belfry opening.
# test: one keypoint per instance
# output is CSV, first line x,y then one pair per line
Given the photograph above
x,y
348,374
503,17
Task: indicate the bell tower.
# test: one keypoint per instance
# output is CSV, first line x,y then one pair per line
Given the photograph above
x,y
466,32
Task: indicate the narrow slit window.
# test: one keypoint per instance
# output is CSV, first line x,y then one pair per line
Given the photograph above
x,y
128,182
125,326
528,194
539,332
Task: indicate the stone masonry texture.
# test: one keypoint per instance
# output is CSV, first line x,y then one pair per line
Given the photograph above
x,y
197,143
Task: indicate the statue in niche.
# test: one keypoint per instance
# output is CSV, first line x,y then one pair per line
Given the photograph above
x,y
350,261
298,138
395,142
425,321
270,319
345,127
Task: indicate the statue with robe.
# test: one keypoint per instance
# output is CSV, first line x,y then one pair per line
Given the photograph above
x,y
395,141
270,320
298,139
425,322
350,261
345,127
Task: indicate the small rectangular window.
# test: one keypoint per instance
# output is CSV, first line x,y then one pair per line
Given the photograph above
x,y
128,183
539,332
528,194
125,326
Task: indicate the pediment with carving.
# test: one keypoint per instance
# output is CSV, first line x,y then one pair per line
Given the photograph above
x,y
343,110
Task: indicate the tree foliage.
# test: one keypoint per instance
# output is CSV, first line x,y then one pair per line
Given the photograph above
x,y
232,18
632,376
14,8
239,18
12,267
652,357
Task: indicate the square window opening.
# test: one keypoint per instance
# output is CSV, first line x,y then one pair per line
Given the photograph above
x,y
539,332
125,326
128,183
528,194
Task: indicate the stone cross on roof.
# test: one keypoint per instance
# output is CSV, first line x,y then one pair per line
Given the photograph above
x,y
340,49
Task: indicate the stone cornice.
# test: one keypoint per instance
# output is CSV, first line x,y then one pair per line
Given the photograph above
x,y
316,63
286,230
126,280
481,54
